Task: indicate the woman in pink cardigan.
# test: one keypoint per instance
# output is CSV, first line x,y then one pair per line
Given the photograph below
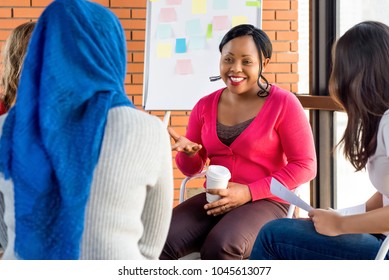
x,y
255,129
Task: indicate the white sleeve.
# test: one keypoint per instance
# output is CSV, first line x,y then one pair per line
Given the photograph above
x,y
159,200
130,204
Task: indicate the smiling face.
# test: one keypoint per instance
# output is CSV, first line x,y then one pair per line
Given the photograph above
x,y
240,65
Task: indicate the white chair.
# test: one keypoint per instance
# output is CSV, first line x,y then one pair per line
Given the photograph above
x,y
196,255
383,249
183,190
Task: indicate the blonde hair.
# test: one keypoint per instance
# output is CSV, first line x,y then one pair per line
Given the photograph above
x,y
14,51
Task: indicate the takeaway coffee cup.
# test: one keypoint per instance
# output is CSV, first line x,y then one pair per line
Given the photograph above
x,y
217,178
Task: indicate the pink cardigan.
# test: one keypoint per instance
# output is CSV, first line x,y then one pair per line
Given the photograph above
x,y
278,143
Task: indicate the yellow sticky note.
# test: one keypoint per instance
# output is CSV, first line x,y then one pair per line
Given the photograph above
x,y
199,6
164,50
237,20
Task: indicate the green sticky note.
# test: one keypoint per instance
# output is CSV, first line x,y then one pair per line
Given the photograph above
x,y
209,31
253,3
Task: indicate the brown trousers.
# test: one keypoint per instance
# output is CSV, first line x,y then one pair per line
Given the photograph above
x,y
226,237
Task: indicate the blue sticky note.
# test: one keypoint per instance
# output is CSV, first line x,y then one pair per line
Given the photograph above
x,y
193,28
180,45
164,31
220,4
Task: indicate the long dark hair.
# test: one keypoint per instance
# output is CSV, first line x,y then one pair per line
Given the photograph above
x,y
359,82
262,42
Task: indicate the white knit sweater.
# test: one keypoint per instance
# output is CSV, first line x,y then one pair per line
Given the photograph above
x,y
130,204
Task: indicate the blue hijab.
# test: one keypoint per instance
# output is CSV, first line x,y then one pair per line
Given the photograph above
x,y
73,74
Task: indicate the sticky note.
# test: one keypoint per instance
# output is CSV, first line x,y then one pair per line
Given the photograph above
x,y
209,31
197,43
193,27
253,3
167,15
164,50
173,2
237,20
199,7
220,4
180,45
221,22
184,67
164,31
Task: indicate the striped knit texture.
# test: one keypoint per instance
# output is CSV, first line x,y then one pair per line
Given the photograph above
x,y
130,204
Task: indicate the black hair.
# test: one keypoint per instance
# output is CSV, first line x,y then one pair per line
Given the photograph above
x,y
262,42
359,82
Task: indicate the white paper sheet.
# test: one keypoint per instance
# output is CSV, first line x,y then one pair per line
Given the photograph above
x,y
357,209
283,192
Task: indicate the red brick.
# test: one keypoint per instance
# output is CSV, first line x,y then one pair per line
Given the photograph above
x,y
294,88
105,3
281,46
268,15
135,46
40,3
15,3
271,34
5,12
275,25
295,68
11,23
122,12
287,78
294,25
294,5
287,57
275,5
28,12
287,35
4,35
286,15
138,56
138,13
137,78
133,24
278,68
294,46
135,67
138,35
134,89
179,121
129,3
137,100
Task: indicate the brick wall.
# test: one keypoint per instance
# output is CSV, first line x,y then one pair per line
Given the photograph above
x,y
279,22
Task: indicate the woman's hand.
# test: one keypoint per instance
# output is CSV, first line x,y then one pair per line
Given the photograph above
x,y
183,144
326,222
234,196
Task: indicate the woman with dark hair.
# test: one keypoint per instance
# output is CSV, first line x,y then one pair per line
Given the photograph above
x,y
359,82
254,129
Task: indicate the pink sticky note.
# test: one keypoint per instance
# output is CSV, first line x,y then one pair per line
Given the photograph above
x,y
184,67
167,15
173,2
221,22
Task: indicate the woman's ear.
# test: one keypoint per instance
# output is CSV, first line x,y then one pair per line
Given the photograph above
x,y
265,62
